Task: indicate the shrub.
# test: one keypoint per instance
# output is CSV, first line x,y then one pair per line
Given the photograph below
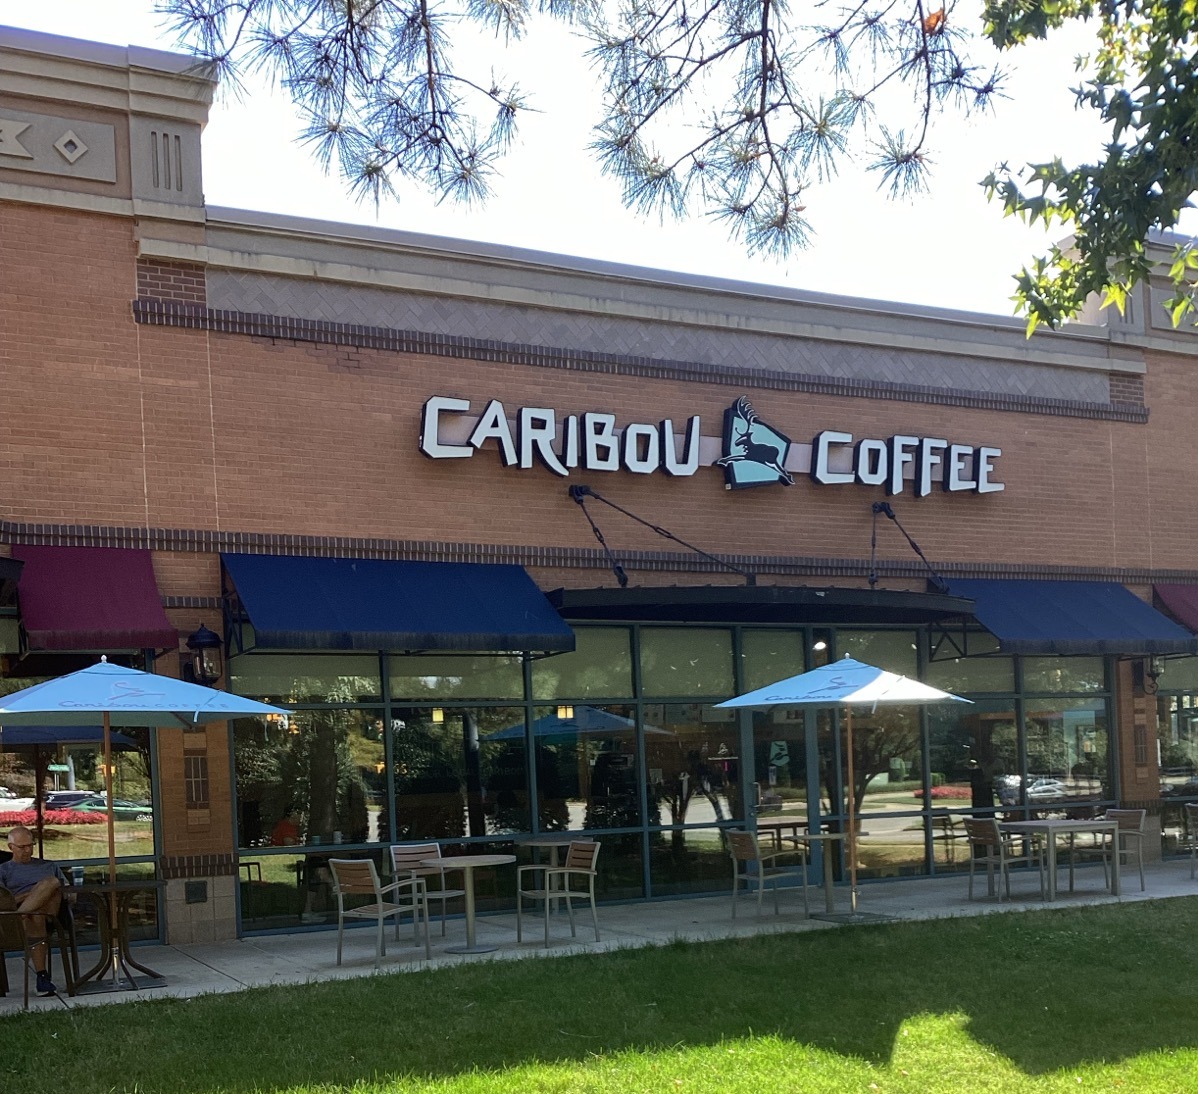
x,y
28,817
964,793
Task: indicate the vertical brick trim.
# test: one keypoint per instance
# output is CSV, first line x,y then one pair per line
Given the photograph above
x,y
1127,390
179,281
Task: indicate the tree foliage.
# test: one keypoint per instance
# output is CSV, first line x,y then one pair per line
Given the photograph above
x,y
723,107
1141,79
732,109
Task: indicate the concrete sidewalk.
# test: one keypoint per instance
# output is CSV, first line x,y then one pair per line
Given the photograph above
x,y
311,955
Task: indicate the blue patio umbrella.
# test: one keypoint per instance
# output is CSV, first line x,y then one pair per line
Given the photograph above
x,y
113,694
845,683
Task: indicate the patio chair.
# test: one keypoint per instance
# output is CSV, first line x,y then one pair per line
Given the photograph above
x,y
60,932
1130,836
988,846
946,830
358,878
754,868
1191,814
552,884
405,862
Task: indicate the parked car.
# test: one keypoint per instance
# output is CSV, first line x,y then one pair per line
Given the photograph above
x,y
6,793
1040,789
64,799
1187,789
121,809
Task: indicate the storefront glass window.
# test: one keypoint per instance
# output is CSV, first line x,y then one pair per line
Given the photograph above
x,y
691,860
678,661
971,675
1064,675
306,678
780,763
693,763
894,651
433,677
599,667
587,774
458,772
1177,729
974,752
1180,674
769,656
1067,751
312,778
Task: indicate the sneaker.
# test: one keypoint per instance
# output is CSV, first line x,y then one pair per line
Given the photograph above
x,y
45,986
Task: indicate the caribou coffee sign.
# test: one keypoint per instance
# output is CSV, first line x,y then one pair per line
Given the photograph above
x,y
750,451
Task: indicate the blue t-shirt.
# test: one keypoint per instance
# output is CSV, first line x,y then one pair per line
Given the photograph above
x,y
19,878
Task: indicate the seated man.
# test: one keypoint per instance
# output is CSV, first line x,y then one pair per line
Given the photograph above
x,y
35,887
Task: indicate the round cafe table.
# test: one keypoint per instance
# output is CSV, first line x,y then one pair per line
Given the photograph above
x,y
467,864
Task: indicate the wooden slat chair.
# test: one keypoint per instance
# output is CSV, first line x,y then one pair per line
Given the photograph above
x,y
405,862
1129,838
358,878
551,884
990,848
754,868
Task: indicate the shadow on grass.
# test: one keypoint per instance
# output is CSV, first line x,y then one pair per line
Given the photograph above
x,y
1047,990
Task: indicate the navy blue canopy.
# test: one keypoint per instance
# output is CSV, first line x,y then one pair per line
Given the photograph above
x,y
1071,618
51,736
299,603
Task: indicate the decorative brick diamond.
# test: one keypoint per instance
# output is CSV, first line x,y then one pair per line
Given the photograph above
x,y
70,147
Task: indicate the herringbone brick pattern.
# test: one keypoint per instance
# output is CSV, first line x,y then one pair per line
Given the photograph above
x,y
272,295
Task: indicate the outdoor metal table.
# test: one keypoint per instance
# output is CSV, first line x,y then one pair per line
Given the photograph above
x,y
829,838
775,826
115,956
1050,829
467,864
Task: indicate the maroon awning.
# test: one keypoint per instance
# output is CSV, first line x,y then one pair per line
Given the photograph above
x,y
91,598
1180,601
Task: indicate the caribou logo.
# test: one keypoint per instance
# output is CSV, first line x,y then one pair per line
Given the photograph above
x,y
754,453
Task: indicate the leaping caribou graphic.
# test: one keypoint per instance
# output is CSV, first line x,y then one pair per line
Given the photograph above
x,y
767,455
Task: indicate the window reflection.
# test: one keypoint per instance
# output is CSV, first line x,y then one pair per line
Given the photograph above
x,y
459,772
587,775
311,778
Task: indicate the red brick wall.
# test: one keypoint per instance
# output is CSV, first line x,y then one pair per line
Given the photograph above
x,y
114,423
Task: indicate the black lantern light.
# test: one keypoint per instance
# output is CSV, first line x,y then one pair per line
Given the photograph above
x,y
205,663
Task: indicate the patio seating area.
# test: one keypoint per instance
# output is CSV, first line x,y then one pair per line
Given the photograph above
x,y
312,955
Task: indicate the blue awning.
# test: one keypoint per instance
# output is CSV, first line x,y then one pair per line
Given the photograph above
x,y
298,603
1071,617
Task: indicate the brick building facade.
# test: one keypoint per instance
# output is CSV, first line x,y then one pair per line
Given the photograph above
x,y
196,382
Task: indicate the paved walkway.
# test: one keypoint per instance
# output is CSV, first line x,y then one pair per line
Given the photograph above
x,y
311,955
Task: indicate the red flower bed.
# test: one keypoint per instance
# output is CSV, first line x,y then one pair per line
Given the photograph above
x,y
955,792
28,817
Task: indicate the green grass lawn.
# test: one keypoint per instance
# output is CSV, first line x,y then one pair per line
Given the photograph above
x,y
1099,998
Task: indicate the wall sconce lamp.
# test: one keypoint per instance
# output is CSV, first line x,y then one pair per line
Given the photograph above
x,y
204,664
380,767
438,715
1146,674
565,712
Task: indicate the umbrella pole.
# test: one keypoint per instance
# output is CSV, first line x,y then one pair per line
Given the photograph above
x,y
39,784
112,910
852,811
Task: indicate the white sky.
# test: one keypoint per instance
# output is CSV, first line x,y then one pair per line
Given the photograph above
x,y
947,248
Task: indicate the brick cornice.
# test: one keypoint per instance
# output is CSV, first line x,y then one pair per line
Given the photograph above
x,y
195,316
550,558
